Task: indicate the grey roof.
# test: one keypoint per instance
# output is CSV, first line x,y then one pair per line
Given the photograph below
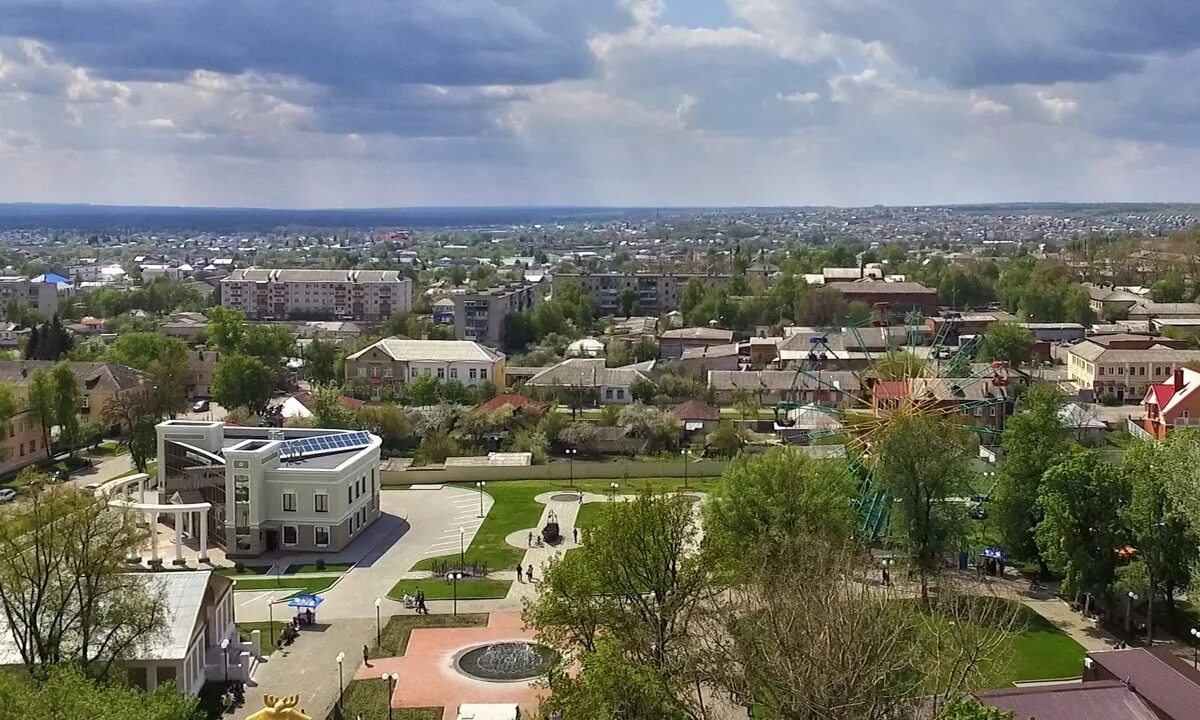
x,y
436,350
1173,309
91,375
306,275
1075,417
871,287
698,333
184,595
585,372
1156,353
709,351
776,380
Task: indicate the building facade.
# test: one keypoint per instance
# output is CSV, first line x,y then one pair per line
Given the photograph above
x,y
98,382
394,362
658,294
202,364
291,489
479,317
1123,368
37,295
264,294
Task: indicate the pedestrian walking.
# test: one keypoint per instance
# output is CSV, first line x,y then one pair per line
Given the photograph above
x,y
519,569
575,534
529,573
529,540
421,609
366,657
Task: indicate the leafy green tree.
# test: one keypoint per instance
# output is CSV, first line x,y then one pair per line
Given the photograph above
x,y
436,447
321,362
1081,530
164,359
822,307
67,400
768,500
226,327
269,343
41,398
328,410
726,439
1169,289
925,460
68,693
1009,342
388,422
422,390
1033,440
899,365
49,341
243,381
627,301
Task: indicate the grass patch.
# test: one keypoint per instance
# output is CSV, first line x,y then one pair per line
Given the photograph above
x,y
312,568
1043,652
590,515
232,571
475,589
368,699
268,637
400,627
300,585
515,509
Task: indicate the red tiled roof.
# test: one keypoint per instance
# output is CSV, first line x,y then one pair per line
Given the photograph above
x,y
695,410
891,389
1163,394
305,399
1164,681
516,402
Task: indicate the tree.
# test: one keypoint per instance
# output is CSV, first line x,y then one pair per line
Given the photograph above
x,y
924,460
10,405
226,327
1033,440
640,577
243,381
436,447
328,410
582,436
42,406
321,360
67,400
388,422
49,341
271,344
627,301
660,429
745,402
1079,535
1009,342
91,434
1169,289
726,439
164,359
64,589
422,390
68,693
822,307
766,501
899,365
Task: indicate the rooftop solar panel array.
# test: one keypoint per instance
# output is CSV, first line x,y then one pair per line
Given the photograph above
x,y
323,444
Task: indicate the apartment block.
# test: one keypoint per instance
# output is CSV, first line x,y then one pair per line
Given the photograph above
x,y
480,316
264,294
38,295
288,489
393,362
1124,367
658,294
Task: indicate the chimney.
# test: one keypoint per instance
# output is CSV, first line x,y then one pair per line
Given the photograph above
x,y
1178,379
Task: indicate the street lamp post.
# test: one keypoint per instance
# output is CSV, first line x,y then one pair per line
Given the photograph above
x,y
271,619
455,577
571,453
1131,598
341,657
612,491
378,628
1195,640
684,454
390,679
480,485
225,656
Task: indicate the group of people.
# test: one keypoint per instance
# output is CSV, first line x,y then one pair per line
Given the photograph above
x,y
528,573
417,602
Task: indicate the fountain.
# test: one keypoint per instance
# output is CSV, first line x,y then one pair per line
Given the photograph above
x,y
510,661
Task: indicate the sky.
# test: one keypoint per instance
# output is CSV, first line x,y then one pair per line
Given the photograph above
x,y
390,103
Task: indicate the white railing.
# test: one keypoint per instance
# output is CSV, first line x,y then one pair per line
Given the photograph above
x,y
1135,429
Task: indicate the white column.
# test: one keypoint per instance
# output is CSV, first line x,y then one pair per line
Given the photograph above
x,y
203,535
153,517
179,537
142,490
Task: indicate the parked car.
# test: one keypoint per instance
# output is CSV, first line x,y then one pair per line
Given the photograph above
x,y
7,495
200,406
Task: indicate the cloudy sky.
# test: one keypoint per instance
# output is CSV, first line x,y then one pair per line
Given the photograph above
x,y
359,103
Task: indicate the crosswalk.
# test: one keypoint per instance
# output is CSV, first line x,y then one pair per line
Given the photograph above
x,y
461,529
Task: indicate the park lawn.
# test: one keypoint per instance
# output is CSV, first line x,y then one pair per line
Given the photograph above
x,y
400,627
312,568
590,515
474,589
368,699
268,638
1043,652
514,508
232,570
308,585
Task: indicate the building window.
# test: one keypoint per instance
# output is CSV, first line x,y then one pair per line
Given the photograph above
x,y
620,393
472,373
483,373
32,445
387,372
374,371
608,393
289,502
321,502
362,372
289,535
441,373
350,494
321,536
453,373
413,373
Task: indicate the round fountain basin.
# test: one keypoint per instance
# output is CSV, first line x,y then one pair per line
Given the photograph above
x,y
513,661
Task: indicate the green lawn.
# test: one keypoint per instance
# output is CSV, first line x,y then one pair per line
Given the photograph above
x,y
1042,652
400,627
368,699
590,514
312,568
515,509
268,637
308,585
480,589
232,571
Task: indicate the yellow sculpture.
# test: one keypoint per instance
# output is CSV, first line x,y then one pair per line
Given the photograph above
x,y
279,708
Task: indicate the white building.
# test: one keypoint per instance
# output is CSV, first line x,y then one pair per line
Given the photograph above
x,y
264,294
301,489
40,296
396,361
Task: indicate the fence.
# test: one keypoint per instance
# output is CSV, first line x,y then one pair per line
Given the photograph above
x,y
616,470
1135,429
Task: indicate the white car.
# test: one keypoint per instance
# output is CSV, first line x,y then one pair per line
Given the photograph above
x,y
7,495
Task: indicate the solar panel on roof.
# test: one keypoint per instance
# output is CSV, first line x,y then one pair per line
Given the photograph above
x,y
321,444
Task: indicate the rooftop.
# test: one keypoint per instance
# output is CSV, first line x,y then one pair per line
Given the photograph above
x,y
252,274
404,350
